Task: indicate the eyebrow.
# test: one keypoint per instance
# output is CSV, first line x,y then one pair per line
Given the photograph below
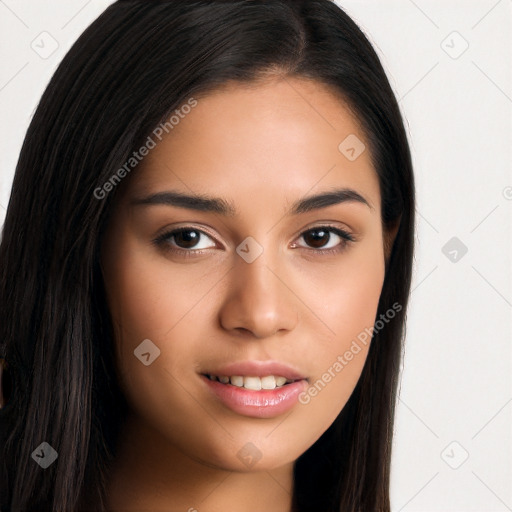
x,y
218,205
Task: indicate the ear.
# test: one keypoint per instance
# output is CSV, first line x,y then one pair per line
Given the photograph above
x,y
389,238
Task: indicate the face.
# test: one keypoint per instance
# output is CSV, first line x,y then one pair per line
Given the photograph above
x,y
264,282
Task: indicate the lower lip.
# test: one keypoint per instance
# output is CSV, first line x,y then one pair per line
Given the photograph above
x,y
266,403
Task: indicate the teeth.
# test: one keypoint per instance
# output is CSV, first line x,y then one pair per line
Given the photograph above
x,y
253,383
268,382
280,381
237,381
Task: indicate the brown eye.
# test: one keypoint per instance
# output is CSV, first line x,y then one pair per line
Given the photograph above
x,y
326,239
184,240
317,238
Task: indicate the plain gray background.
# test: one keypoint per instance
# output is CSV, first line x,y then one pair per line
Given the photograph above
x,y
449,63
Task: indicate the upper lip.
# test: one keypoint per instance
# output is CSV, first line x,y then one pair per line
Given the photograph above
x,y
257,369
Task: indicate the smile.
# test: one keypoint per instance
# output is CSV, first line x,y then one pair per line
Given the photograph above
x,y
253,383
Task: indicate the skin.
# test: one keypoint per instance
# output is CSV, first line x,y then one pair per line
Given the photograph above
x,y
261,148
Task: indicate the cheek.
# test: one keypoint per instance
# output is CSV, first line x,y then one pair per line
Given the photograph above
x,y
148,301
347,310
147,298
345,294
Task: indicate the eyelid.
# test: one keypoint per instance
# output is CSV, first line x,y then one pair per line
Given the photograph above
x,y
327,224
167,232
187,227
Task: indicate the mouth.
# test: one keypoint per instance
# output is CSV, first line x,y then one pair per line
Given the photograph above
x,y
258,389
253,396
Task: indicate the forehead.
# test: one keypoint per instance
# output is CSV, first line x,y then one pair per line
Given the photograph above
x,y
275,140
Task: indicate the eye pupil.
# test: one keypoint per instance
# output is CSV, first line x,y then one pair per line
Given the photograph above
x,y
186,237
317,236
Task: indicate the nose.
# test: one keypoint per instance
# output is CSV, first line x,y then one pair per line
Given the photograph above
x,y
259,302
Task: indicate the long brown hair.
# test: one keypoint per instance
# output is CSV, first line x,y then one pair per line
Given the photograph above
x,y
126,73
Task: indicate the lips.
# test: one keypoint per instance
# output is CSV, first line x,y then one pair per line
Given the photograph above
x,y
256,404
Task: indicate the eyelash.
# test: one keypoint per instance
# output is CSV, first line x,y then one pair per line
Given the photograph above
x,y
162,241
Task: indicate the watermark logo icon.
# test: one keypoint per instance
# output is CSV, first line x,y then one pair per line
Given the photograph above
x,y
249,249
352,147
45,45
455,455
45,455
454,249
454,45
147,352
249,454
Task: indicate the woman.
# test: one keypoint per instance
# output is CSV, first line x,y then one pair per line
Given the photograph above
x,y
205,266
